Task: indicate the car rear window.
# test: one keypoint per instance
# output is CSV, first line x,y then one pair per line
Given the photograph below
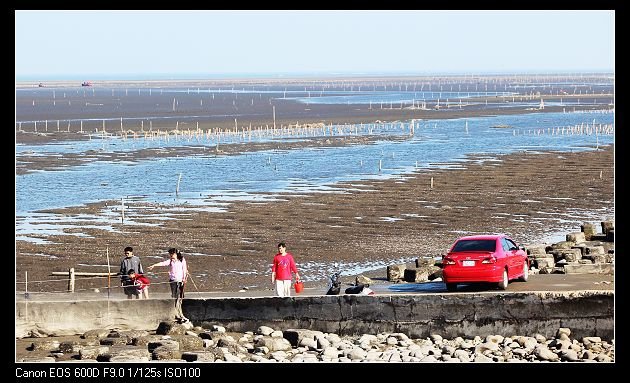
x,y
475,245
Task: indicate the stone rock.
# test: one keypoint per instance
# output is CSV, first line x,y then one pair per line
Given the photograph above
x,y
588,340
309,343
396,272
127,359
569,255
274,344
294,336
562,245
569,355
74,346
92,352
495,338
536,250
607,226
563,331
45,344
114,341
198,356
595,250
166,353
487,346
124,354
171,328
145,340
95,334
425,261
363,280
357,354
576,237
165,343
188,342
543,353
480,358
589,230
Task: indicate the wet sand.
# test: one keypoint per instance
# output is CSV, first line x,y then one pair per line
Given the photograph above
x,y
526,195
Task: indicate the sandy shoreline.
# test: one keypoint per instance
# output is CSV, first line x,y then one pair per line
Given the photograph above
x,y
526,195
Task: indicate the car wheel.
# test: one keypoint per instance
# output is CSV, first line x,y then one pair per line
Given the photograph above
x,y
525,275
451,286
504,283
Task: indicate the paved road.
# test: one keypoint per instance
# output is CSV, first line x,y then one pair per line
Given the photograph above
x,y
549,282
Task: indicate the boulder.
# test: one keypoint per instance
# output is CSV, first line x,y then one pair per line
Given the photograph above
x,y
589,230
562,245
576,237
570,255
607,226
416,275
363,280
396,272
536,250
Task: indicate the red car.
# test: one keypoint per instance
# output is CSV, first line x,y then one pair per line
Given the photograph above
x,y
485,258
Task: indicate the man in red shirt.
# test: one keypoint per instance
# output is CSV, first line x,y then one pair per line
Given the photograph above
x,y
283,265
141,282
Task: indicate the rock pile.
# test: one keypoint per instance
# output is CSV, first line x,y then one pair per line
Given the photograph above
x,y
582,252
212,343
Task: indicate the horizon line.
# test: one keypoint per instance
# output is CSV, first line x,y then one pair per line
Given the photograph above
x,y
289,75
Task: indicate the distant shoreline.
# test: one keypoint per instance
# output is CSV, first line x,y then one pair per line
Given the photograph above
x,y
271,78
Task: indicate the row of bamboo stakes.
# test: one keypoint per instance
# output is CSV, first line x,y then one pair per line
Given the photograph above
x,y
311,130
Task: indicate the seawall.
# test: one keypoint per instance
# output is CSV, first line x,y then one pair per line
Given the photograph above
x,y
586,313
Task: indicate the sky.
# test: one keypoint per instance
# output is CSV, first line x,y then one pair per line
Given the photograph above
x,y
198,44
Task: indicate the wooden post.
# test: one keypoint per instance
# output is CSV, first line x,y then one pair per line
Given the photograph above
x,y
178,180
380,165
26,283
431,182
71,280
109,271
122,203
274,117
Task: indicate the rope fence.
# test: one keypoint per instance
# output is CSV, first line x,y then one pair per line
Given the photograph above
x,y
82,276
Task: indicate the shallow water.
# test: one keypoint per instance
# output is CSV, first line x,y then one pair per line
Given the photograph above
x,y
211,181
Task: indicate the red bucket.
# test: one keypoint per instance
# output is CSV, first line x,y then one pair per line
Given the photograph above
x,y
299,286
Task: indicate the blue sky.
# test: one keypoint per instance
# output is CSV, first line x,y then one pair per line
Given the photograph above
x,y
145,44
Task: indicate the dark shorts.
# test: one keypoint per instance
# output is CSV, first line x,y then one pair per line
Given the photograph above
x,y
177,288
129,288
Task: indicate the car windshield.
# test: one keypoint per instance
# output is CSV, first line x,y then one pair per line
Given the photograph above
x,y
475,245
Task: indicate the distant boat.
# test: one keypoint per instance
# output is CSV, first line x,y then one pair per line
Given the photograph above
x,y
501,126
86,83
41,85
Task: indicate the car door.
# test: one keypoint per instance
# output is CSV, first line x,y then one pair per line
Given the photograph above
x,y
518,255
510,258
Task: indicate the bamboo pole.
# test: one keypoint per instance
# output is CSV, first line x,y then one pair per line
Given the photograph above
x,y
178,180
109,272
71,280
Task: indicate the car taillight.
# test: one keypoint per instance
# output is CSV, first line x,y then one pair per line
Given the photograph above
x,y
489,260
448,261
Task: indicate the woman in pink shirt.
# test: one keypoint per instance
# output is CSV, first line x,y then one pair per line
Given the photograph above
x,y
177,276
283,265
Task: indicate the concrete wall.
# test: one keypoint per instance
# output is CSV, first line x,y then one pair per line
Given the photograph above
x,y
586,313
77,317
